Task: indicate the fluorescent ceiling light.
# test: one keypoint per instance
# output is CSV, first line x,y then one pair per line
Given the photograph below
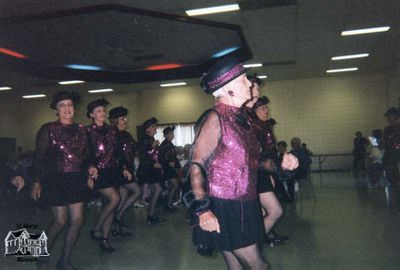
x,y
350,56
342,70
70,82
252,65
101,90
172,84
262,76
83,67
211,10
34,96
365,31
5,88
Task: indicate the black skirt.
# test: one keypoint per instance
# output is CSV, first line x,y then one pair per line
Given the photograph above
x,y
240,224
66,188
170,172
149,175
122,180
264,181
107,178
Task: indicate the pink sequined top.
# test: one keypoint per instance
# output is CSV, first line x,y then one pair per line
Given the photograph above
x,y
61,149
106,146
232,166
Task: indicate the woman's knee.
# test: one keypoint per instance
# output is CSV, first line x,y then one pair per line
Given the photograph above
x,y
60,222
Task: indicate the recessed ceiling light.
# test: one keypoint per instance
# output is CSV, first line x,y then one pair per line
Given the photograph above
x,y
350,56
252,65
365,31
101,90
212,10
172,84
5,88
262,76
34,96
83,67
70,82
342,70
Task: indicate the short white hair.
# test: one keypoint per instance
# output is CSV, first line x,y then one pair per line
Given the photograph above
x,y
219,93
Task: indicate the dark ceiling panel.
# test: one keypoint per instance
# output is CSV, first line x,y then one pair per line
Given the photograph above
x,y
124,42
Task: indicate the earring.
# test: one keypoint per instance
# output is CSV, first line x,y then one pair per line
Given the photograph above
x,y
230,92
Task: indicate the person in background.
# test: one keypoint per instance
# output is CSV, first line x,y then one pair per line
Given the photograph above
x,y
129,190
111,162
375,168
64,172
150,169
391,146
171,166
359,151
303,169
271,208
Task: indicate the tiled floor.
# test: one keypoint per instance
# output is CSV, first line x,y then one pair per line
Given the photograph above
x,y
348,226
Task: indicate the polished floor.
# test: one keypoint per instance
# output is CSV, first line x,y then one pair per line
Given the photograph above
x,y
347,226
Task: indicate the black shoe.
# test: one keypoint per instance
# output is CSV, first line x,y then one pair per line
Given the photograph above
x,y
105,245
281,237
203,251
94,236
153,220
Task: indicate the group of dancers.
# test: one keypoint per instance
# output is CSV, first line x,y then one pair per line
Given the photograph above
x,y
232,169
73,159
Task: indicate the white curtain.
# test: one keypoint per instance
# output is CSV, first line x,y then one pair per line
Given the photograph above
x,y
184,134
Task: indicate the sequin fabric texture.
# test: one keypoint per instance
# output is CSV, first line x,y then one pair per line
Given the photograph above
x,y
233,166
104,139
128,146
61,148
266,138
168,153
148,155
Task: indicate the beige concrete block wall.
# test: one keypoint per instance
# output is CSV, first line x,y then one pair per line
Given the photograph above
x,y
393,88
324,112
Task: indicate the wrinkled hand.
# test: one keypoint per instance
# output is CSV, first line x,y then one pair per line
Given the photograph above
x,y
93,172
155,143
36,191
18,182
157,165
127,174
209,222
90,183
289,162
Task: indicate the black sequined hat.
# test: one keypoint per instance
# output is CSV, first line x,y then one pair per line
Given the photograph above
x,y
222,72
264,100
116,112
94,104
393,111
62,95
149,122
168,130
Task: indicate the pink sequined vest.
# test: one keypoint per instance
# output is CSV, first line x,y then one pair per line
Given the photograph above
x,y
232,170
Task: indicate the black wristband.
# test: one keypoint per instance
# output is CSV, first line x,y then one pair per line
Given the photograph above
x,y
202,205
